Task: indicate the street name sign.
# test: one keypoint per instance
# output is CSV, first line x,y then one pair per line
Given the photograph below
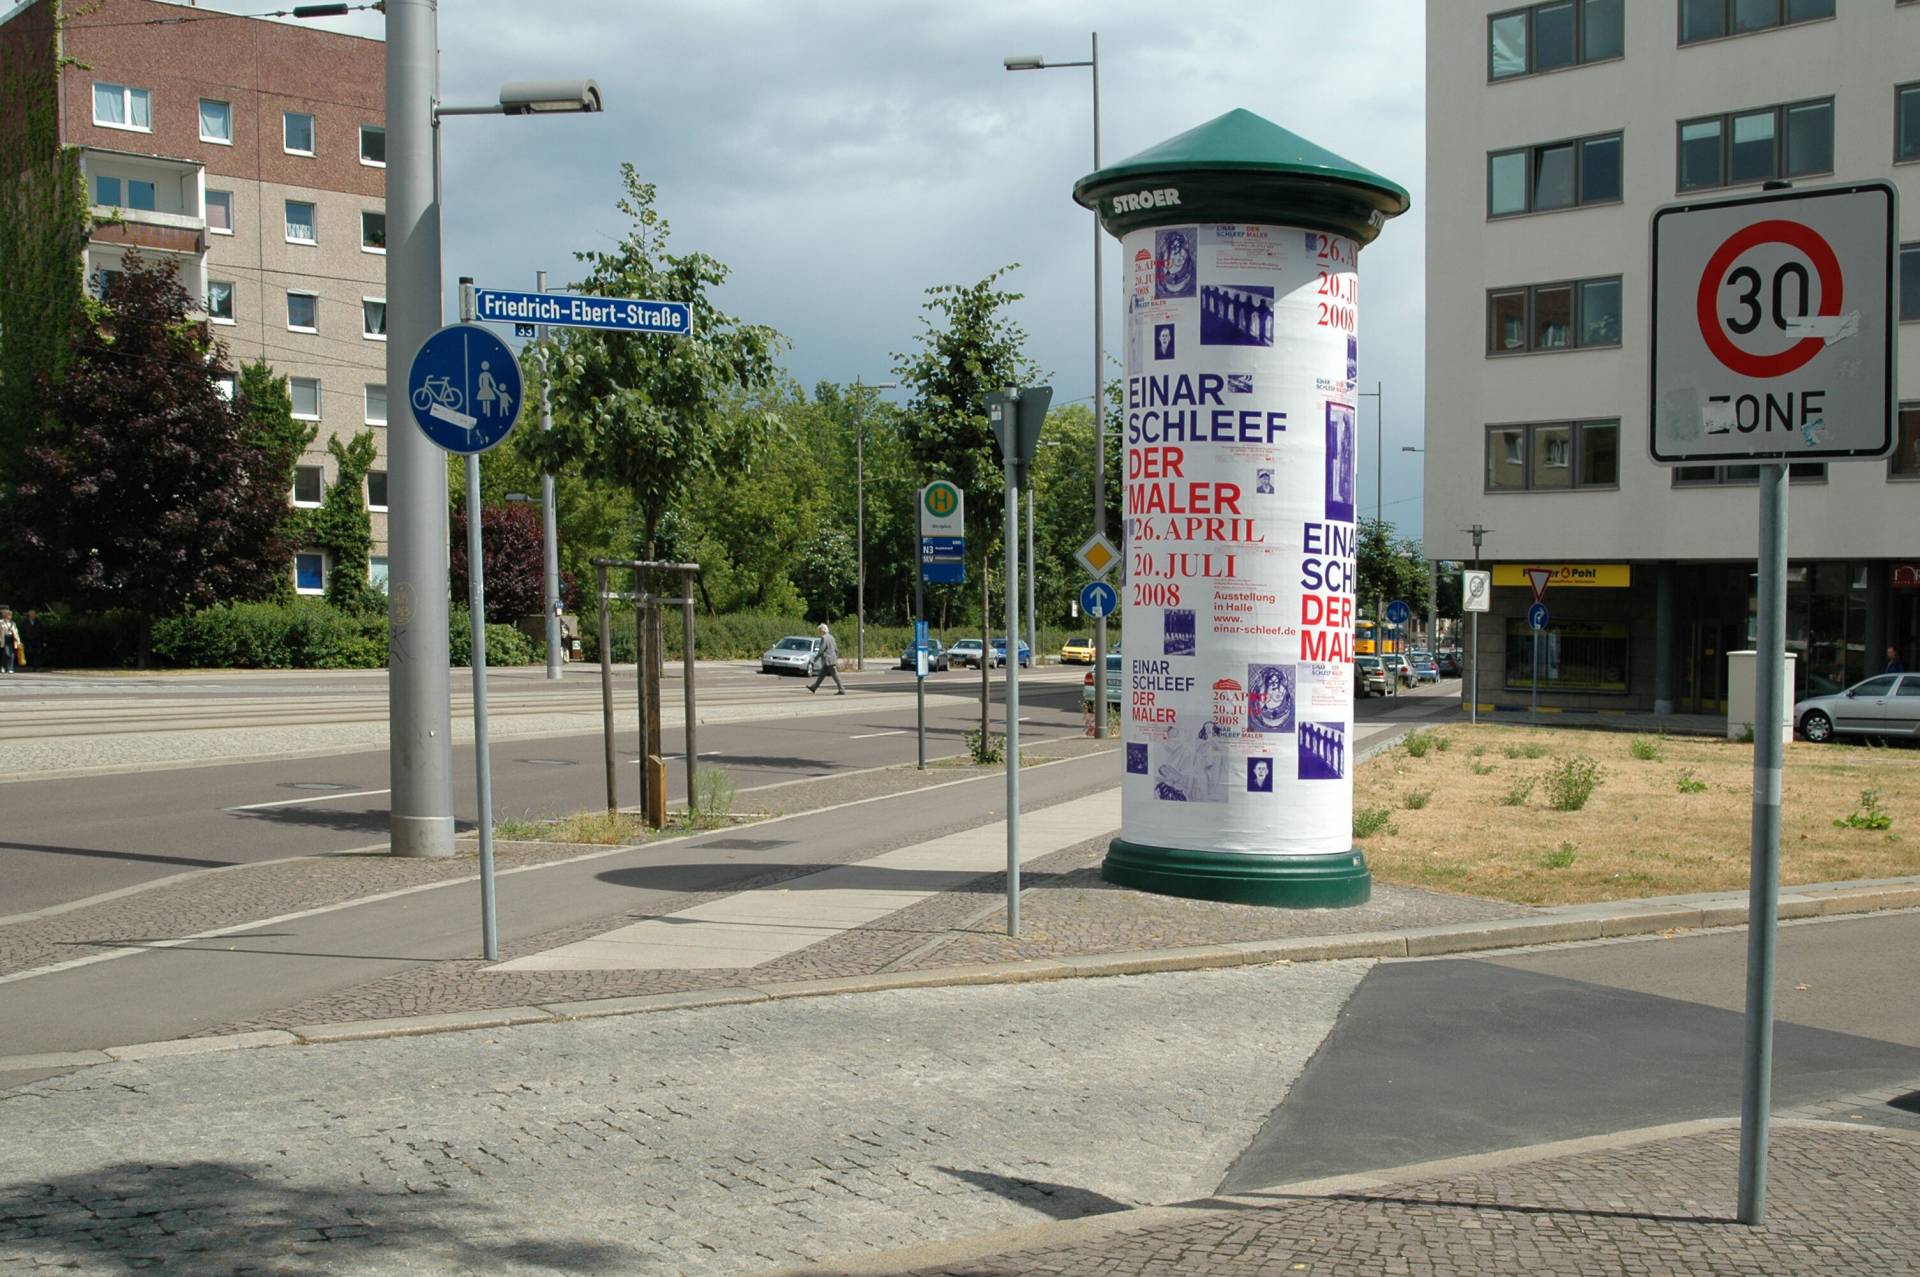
x,y
571,310
1772,326
465,389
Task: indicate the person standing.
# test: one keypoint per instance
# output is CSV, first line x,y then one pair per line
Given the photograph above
x,y
1894,664
9,640
829,662
33,638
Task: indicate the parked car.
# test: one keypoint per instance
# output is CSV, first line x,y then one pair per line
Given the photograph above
x,y
965,654
1000,653
1884,705
1425,668
936,656
1369,677
1077,651
1449,663
794,654
1114,669
1398,667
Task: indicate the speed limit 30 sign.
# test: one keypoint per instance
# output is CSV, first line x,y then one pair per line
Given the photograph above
x,y
1773,326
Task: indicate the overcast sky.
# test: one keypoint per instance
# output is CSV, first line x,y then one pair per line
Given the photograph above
x,y
843,155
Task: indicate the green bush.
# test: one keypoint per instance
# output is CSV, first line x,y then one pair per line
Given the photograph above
x,y
505,645
1518,792
1415,799
1689,783
1570,782
106,640
1417,744
1368,821
307,634
1645,748
1560,857
1530,750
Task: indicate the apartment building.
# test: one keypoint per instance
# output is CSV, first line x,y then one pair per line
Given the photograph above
x,y
1553,132
253,154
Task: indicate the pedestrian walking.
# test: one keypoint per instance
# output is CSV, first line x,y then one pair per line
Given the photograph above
x,y
9,640
829,663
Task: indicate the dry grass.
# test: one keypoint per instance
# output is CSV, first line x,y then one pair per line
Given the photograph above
x,y
1638,834
597,828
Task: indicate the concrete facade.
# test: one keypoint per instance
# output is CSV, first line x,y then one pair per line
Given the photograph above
x,y
1502,353
205,121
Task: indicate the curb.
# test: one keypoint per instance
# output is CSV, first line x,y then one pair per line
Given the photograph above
x,y
1570,923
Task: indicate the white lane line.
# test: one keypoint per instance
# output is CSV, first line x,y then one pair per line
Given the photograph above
x,y
872,735
310,798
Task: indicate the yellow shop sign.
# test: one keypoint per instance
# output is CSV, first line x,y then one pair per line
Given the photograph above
x,y
1607,576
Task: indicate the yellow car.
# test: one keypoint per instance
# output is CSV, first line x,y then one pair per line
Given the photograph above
x,y
1077,651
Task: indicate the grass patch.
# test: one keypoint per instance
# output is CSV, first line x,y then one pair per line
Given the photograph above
x,y
1368,821
1415,799
1418,743
1571,781
602,828
1646,748
1677,827
1560,857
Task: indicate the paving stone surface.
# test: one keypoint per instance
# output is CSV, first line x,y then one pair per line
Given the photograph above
x,y
1840,1203
723,1140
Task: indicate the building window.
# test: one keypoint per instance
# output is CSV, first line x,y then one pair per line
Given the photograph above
x,y
223,386
303,312
1553,456
307,488
1712,19
296,133
131,192
310,572
216,121
1906,123
1538,179
377,572
373,145
1905,461
1546,37
302,227
1909,282
106,282
1744,147
1743,475
1574,656
373,318
220,301
220,212
1577,313
306,397
376,489
374,412
373,231
116,106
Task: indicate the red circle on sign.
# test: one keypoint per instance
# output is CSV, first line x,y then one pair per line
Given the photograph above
x,y
1707,307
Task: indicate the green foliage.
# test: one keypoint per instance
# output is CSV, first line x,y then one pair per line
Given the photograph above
x,y
342,526
826,572
1518,792
1390,568
1415,799
306,634
1481,769
1746,734
986,748
1868,815
1646,748
1560,857
1368,821
1687,782
1529,750
713,805
1417,744
505,645
643,412
1571,781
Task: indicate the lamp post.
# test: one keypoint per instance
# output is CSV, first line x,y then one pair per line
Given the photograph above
x,y
549,511
860,513
1033,62
1433,586
1380,519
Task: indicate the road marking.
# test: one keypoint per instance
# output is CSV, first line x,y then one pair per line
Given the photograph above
x,y
872,735
311,798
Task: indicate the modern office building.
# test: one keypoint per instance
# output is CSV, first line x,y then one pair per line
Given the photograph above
x,y
1553,132
253,154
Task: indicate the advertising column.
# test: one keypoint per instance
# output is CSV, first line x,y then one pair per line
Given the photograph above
x,y
1240,243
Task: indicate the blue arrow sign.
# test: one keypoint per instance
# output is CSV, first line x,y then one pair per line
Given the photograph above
x,y
464,388
566,310
1398,612
1098,599
1537,616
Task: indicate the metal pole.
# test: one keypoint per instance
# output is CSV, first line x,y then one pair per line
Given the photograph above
x,y
686,664
860,532
606,693
549,516
919,683
1099,419
482,763
1763,903
420,715
1012,537
1033,632
643,661
1473,706
1533,714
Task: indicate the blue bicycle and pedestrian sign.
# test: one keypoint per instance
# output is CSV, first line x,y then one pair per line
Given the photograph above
x,y
465,389
1398,612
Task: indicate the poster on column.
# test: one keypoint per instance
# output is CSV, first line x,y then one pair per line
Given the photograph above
x,y
1238,692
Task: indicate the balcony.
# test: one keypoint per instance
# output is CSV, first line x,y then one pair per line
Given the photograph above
x,y
146,202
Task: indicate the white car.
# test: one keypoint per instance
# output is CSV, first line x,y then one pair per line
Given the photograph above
x,y
794,654
965,654
1884,705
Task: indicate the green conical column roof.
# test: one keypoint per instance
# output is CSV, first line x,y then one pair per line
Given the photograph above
x,y
1240,167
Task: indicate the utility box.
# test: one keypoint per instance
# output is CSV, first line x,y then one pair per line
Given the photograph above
x,y
1743,684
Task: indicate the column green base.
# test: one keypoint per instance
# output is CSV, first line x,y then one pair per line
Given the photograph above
x,y
1287,882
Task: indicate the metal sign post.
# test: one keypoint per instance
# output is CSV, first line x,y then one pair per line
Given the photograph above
x,y
1476,595
1772,340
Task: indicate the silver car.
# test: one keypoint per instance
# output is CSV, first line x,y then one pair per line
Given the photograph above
x,y
1884,705
794,654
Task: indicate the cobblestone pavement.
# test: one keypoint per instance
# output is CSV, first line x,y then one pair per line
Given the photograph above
x,y
723,1140
1840,1202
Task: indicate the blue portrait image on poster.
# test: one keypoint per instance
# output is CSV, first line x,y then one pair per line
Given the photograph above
x,y
1269,698
1175,269
1163,347
1323,751
1137,757
1259,775
1340,462
1178,629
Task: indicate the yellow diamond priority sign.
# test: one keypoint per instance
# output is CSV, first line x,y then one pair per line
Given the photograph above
x,y
1098,555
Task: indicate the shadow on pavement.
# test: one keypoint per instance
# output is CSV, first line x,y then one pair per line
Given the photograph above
x,y
1504,1208
228,1217
1056,1201
679,879
101,854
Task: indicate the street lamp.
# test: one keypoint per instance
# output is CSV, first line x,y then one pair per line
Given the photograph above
x,y
1433,585
1380,520
860,514
1034,62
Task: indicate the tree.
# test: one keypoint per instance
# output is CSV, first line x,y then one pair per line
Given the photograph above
x,y
265,407
1390,568
342,527
143,488
515,569
641,409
